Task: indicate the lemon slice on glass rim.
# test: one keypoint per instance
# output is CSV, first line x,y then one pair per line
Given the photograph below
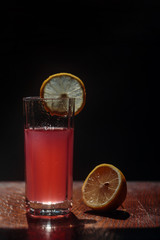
x,y
63,85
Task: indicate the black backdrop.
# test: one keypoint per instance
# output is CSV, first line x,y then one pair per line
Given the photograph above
x,y
114,48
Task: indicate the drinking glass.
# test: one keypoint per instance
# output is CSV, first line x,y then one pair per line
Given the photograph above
x,y
48,155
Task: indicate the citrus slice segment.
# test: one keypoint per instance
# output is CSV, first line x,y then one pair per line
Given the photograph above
x,y
63,85
105,188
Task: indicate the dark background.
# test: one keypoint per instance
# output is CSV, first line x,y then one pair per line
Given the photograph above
x,y
114,47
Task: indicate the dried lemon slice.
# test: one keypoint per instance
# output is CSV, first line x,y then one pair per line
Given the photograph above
x,y
63,85
105,188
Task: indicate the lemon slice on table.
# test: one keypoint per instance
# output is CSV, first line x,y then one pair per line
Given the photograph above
x,y
63,85
105,188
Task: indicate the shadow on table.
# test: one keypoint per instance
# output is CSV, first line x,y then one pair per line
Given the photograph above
x,y
50,228
82,234
117,214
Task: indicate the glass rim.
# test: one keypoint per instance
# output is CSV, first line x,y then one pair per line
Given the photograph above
x,y
38,98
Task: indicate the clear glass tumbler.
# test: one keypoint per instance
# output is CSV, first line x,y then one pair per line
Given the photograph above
x,y
48,155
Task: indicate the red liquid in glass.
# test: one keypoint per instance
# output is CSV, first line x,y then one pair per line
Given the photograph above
x,y
49,156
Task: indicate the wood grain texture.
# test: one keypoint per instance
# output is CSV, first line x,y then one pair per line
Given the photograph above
x,y
139,219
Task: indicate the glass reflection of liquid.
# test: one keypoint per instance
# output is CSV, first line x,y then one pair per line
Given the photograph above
x,y
47,229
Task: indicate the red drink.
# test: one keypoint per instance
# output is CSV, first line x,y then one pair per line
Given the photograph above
x,y
49,155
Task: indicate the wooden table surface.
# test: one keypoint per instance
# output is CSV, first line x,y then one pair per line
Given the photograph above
x,y
140,218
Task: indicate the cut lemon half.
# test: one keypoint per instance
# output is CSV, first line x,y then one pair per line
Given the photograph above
x,y
105,188
62,85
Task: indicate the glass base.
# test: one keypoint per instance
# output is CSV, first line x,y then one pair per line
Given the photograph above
x,y
37,209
